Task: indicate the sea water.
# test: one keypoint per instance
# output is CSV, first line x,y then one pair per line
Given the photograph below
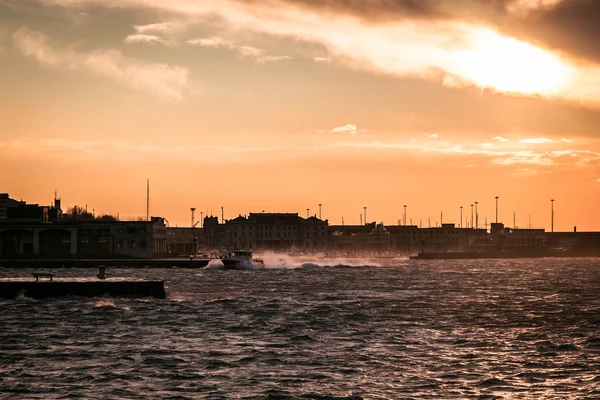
x,y
316,329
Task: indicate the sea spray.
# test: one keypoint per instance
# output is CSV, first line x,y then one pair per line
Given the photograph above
x,y
214,264
273,260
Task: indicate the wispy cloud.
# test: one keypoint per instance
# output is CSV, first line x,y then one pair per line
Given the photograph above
x,y
145,39
213,42
505,157
526,6
536,141
259,55
121,150
432,135
322,60
166,81
350,128
500,139
565,140
160,28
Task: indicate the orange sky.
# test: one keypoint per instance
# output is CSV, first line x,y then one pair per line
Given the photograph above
x,y
280,105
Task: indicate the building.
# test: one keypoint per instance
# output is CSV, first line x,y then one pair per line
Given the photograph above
x,y
579,243
184,240
275,231
5,204
30,230
501,238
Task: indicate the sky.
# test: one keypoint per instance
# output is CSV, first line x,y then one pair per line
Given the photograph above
x,y
282,105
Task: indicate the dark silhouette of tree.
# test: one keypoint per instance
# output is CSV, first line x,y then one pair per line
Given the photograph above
x,y
80,213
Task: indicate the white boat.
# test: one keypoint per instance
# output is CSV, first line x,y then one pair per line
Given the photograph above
x,y
239,259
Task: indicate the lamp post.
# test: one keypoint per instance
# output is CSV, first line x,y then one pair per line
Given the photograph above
x,y
461,207
307,211
471,215
476,216
496,209
193,232
365,215
320,205
552,214
405,215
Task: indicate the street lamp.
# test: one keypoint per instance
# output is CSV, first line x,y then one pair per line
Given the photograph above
x,y
405,215
496,209
552,214
307,211
461,207
476,216
365,215
320,205
471,215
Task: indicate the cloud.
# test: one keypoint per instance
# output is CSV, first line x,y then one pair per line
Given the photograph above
x,y
527,6
566,140
246,51
454,52
160,28
598,180
213,42
8,4
121,150
432,135
350,128
536,141
145,39
322,60
166,81
500,139
571,159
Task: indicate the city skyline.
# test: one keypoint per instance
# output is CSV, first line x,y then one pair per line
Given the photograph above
x,y
468,216
283,105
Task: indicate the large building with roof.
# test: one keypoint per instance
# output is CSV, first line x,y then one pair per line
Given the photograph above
x,y
34,231
275,231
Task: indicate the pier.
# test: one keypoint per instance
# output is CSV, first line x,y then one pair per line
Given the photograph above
x,y
11,289
180,262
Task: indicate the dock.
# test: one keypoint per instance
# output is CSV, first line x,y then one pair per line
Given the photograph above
x,y
54,263
11,289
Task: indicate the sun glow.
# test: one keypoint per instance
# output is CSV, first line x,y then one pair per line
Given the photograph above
x,y
509,65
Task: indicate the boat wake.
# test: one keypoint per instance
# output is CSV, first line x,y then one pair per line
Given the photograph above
x,y
282,261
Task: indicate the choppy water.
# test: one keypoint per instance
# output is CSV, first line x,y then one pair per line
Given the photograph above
x,y
525,329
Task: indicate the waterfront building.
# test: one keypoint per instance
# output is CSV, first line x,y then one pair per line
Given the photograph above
x,y
5,203
276,231
379,238
30,230
501,238
349,237
184,241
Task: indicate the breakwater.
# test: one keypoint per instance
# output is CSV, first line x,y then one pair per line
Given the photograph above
x,y
11,289
108,262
